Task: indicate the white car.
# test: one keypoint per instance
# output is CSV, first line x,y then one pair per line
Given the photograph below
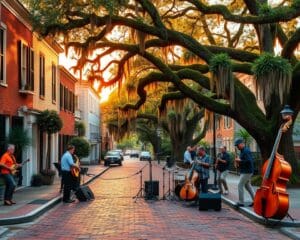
x,y
145,155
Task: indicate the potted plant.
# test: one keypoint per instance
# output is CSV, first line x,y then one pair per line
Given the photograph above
x,y
48,176
50,122
37,180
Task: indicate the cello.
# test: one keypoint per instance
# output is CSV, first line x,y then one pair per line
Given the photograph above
x,y
189,190
271,199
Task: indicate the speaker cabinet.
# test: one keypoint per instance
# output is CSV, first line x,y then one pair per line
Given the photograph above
x,y
151,189
84,193
210,201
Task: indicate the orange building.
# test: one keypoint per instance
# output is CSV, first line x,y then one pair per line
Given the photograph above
x,y
67,107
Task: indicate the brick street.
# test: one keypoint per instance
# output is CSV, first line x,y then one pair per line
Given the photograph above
x,y
115,215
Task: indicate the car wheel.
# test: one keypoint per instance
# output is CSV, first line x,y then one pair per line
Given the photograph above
x,y
120,163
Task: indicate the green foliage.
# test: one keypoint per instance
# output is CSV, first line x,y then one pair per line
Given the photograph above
x,y
49,121
171,115
80,127
264,9
296,4
19,137
219,60
127,143
256,180
204,144
242,133
82,147
268,63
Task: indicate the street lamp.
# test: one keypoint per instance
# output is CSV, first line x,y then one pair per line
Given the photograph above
x,y
215,186
158,134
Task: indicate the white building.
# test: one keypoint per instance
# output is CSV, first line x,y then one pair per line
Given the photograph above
x,y
89,107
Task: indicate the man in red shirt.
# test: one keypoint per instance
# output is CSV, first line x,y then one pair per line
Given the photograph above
x,y
7,165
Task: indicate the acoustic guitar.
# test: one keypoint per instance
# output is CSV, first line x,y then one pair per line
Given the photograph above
x,y
75,170
15,167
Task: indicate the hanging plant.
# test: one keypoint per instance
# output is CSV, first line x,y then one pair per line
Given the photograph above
x,y
221,68
273,75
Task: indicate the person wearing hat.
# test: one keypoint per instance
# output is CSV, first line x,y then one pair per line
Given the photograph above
x,y
245,162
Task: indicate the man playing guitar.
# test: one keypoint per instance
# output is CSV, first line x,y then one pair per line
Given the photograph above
x,y
8,166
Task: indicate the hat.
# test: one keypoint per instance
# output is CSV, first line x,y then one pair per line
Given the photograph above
x,y
238,141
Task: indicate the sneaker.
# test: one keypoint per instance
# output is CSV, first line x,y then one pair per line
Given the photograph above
x,y
225,192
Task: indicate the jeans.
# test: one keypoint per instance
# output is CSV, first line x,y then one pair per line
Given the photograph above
x,y
10,186
203,185
245,182
222,180
70,183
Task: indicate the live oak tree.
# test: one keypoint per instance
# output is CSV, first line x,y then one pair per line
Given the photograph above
x,y
179,120
214,47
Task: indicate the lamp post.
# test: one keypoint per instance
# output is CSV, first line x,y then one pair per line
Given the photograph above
x,y
158,134
215,186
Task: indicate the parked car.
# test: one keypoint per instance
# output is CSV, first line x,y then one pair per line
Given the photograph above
x,y
113,157
145,155
134,154
119,151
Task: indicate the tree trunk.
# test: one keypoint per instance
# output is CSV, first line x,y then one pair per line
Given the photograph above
x,y
286,148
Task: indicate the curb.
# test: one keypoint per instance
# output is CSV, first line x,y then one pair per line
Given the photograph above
x,y
285,227
39,211
288,232
259,219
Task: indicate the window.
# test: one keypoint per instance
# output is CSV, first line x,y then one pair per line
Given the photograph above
x,y
26,67
2,55
42,75
61,97
67,99
227,122
53,83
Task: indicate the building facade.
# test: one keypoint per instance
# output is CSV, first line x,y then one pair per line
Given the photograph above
x,y
67,108
89,108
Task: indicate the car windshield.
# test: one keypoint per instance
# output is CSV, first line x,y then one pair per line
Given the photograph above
x,y
146,154
114,153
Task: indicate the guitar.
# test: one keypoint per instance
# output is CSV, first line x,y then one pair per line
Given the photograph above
x,y
75,170
15,167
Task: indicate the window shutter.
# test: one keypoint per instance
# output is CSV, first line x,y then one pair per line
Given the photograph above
x,y
20,63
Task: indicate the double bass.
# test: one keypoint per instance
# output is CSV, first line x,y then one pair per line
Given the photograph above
x,y
189,190
271,199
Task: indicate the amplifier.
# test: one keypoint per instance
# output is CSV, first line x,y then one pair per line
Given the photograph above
x,y
151,190
210,201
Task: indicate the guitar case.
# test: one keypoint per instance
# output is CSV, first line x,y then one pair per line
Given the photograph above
x,y
84,193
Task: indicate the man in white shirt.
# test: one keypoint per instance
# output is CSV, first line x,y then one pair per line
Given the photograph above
x,y
187,158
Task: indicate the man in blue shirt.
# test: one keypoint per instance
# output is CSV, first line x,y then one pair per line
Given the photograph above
x,y
245,163
66,164
202,164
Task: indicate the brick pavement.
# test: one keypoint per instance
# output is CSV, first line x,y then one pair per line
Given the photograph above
x,y
115,215
30,198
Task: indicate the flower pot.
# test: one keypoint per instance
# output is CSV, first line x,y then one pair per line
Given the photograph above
x,y
48,179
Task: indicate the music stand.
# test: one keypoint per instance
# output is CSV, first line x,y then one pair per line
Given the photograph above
x,y
140,192
169,193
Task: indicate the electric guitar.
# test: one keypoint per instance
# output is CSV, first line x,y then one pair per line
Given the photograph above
x,y
15,167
